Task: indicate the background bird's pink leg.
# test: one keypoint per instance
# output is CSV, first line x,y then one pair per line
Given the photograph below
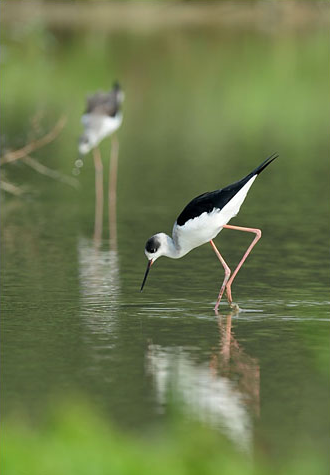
x,y
227,275
98,195
257,232
112,193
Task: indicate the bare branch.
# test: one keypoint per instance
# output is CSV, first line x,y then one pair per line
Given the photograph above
x,y
10,157
10,188
56,175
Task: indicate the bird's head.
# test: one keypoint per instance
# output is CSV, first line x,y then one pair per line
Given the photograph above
x,y
156,246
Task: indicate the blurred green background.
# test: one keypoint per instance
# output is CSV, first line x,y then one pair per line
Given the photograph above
x,y
211,89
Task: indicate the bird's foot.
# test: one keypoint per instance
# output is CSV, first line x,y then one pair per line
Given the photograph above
x,y
234,306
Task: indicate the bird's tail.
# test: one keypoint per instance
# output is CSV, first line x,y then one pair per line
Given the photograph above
x,y
263,165
120,96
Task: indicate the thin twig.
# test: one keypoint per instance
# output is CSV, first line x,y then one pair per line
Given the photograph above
x,y
10,157
10,188
56,175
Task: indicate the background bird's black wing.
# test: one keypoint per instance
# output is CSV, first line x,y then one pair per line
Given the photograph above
x,y
104,103
210,200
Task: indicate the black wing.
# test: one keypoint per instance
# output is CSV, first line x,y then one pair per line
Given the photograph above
x,y
207,202
105,103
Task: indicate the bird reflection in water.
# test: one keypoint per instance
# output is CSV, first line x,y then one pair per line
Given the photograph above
x,y
223,393
98,264
231,360
99,284
99,275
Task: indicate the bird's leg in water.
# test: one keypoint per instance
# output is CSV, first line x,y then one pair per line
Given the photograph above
x,y
257,232
227,275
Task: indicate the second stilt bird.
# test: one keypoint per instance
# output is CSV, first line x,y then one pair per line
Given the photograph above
x,y
201,221
102,117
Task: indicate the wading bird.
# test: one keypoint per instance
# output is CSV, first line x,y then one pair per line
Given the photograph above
x,y
102,118
201,221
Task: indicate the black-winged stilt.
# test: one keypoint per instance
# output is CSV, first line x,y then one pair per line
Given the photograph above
x,y
101,119
201,221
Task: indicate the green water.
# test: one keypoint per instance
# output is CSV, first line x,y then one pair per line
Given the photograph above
x,y
203,108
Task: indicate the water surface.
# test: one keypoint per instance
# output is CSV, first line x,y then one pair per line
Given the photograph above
x,y
203,108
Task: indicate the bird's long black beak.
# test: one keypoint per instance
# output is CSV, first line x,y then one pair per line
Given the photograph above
x,y
146,274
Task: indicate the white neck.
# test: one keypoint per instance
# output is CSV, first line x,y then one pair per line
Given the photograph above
x,y
172,249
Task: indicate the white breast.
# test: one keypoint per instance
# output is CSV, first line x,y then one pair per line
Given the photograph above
x,y
207,226
111,124
98,126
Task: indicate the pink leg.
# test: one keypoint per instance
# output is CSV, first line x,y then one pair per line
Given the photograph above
x,y
98,195
112,194
257,232
227,275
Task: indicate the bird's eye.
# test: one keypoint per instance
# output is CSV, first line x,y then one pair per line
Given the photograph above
x,y
152,245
